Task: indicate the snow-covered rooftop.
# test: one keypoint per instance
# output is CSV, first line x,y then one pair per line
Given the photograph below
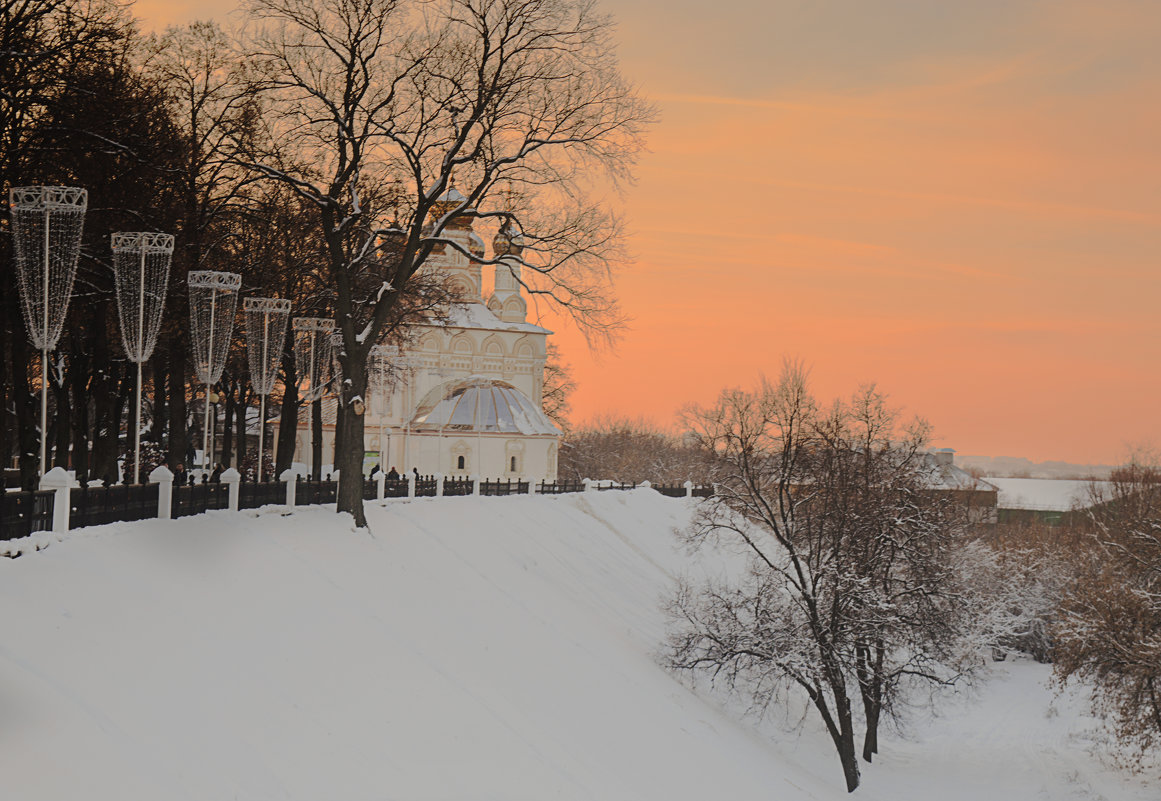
x,y
1042,494
477,315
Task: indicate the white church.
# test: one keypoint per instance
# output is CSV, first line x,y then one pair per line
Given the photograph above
x,y
470,402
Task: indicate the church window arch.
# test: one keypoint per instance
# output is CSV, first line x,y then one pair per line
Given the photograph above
x,y
463,344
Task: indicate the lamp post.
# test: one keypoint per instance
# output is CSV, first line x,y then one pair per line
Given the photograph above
x,y
47,222
312,362
265,337
141,272
213,300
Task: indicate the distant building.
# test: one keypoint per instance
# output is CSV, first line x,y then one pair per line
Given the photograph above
x,y
977,495
1045,500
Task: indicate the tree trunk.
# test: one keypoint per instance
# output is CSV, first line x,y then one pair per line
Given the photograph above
x,y
871,688
27,411
240,408
349,450
228,426
846,747
157,420
287,419
316,437
178,433
62,423
7,422
80,412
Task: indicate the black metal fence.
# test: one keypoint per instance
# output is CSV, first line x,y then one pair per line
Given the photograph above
x,y
193,499
24,513
559,487
426,487
94,506
311,493
458,486
612,485
252,494
394,488
674,491
506,487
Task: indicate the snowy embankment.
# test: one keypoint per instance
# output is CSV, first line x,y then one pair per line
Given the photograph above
x,y
466,648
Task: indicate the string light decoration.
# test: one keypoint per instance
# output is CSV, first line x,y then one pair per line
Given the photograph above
x,y
47,223
213,302
265,320
313,363
141,275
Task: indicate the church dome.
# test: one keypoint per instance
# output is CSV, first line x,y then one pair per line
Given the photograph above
x,y
475,245
483,405
449,201
508,240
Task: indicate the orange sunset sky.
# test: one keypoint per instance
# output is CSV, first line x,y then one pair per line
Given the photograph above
x,y
960,201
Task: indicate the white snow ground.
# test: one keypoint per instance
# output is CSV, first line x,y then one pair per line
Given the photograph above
x,y
467,648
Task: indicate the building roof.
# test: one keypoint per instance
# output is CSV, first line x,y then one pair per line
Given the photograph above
x,y
1043,494
483,405
477,315
947,476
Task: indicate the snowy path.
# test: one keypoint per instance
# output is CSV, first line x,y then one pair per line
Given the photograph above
x,y
471,648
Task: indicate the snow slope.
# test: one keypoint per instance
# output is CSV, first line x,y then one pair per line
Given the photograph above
x,y
465,648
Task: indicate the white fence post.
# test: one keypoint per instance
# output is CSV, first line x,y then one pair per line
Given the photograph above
x,y
60,481
688,488
438,485
291,478
646,484
475,485
411,485
380,485
163,477
233,478
531,487
588,482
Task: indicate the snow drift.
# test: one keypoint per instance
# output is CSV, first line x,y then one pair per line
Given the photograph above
x,y
464,648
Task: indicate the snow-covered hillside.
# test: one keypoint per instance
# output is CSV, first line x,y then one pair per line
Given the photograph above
x,y
466,648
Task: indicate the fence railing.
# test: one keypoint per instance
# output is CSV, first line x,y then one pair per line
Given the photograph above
x,y
25,513
60,504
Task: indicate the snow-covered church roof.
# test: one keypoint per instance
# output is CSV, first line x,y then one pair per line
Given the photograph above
x,y
477,315
478,404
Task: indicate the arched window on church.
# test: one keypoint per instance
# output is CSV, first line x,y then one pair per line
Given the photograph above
x,y
513,464
459,463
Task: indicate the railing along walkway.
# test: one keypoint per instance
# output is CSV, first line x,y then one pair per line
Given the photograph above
x,y
61,504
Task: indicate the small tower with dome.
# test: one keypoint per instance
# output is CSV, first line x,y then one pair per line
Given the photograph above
x,y
507,302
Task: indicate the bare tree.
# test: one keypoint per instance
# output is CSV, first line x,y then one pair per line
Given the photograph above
x,y
388,99
558,388
631,450
850,595
209,101
1110,628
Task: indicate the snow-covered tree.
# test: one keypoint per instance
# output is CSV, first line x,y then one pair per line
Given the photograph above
x,y
380,106
1110,628
851,594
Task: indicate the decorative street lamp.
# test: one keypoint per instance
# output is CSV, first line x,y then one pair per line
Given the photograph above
x,y
265,336
47,222
213,301
141,273
312,362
